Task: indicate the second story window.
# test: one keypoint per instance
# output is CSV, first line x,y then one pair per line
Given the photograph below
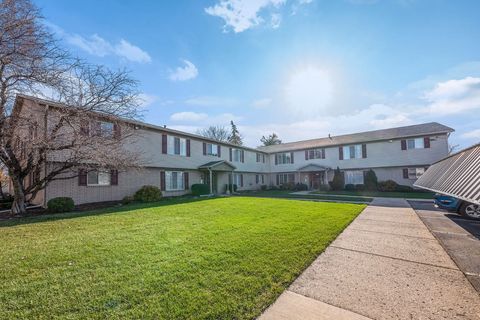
x,y
415,143
284,158
356,151
237,155
210,149
260,157
315,154
177,146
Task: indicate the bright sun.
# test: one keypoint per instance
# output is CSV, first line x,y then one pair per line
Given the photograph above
x,y
309,91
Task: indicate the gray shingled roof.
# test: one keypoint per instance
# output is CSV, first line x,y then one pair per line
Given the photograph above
x,y
368,136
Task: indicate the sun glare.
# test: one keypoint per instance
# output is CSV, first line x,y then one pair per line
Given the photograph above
x,y
309,91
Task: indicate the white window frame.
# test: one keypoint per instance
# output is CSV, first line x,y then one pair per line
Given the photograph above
x,y
415,143
284,158
174,181
212,149
354,177
103,178
283,178
236,155
171,146
237,179
415,173
356,154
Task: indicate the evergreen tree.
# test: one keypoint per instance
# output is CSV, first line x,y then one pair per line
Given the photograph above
x,y
235,137
270,140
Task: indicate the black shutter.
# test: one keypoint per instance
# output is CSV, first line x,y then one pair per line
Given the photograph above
x,y
219,151
82,177
185,180
405,173
116,131
164,143
188,147
230,154
306,154
340,153
241,180
364,151
404,144
426,142
276,160
204,149
323,153
162,180
278,179
114,177
242,156
291,157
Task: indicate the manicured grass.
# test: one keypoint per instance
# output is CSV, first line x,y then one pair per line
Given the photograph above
x,y
225,258
288,195
412,195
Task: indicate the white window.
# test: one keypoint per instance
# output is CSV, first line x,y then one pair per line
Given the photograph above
x,y
177,146
316,154
237,179
284,158
174,180
101,128
98,178
415,173
354,177
352,152
237,155
417,143
285,178
212,149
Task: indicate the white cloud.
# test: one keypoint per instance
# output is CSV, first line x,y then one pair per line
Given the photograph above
x,y
211,101
474,134
98,46
188,116
262,103
240,15
454,96
189,71
147,100
275,20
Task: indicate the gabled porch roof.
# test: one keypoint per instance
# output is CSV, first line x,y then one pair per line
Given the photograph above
x,y
313,167
220,165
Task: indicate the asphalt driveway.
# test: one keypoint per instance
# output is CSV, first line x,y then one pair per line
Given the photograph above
x,y
459,236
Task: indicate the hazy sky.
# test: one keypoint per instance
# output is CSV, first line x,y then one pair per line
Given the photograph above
x,y
300,68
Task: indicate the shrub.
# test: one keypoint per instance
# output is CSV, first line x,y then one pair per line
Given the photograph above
x,y
287,186
231,187
403,188
324,187
273,188
338,182
349,187
371,181
301,187
200,189
360,187
127,200
60,204
387,186
148,194
263,187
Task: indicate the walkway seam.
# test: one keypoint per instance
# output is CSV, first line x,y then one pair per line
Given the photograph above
x,y
395,234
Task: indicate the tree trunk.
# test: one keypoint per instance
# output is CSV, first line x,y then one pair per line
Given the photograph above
x,y
2,196
19,206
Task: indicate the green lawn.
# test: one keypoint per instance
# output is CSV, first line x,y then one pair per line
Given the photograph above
x,y
225,258
288,194
413,195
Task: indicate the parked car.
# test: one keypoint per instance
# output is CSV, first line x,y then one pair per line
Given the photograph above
x,y
456,205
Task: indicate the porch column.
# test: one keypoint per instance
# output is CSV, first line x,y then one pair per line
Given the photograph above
x,y
211,180
230,183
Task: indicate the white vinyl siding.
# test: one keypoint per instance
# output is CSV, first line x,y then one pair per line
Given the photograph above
x,y
354,177
177,146
174,180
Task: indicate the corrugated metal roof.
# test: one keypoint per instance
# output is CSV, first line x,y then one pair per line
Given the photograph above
x,y
368,136
457,175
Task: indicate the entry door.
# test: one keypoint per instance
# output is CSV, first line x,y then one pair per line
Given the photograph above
x,y
316,180
214,179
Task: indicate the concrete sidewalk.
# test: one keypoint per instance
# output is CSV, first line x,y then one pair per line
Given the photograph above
x,y
385,265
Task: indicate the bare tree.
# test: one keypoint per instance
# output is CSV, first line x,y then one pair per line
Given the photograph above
x,y
452,148
270,140
3,180
214,132
82,125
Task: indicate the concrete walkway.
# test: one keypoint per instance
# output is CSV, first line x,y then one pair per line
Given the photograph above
x,y
385,265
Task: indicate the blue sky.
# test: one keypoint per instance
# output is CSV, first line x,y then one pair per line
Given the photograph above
x,y
300,68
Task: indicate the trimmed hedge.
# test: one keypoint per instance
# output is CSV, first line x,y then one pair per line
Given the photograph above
x,y
387,186
349,187
60,204
200,189
148,194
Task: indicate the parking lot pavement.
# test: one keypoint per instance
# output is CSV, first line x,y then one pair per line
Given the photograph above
x,y
459,236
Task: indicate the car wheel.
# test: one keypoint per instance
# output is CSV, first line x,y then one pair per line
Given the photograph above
x,y
470,210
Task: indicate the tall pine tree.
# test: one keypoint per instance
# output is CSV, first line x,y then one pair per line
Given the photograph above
x,y
235,137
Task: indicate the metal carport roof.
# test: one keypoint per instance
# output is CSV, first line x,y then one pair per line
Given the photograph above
x,y
457,175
